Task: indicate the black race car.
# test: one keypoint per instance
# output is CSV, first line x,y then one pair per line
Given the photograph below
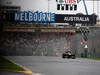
x,y
68,54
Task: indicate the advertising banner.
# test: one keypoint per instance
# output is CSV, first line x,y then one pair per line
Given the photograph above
x,y
68,5
36,17
83,19
44,17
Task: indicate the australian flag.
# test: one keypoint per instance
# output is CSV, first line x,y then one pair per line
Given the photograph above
x,y
78,1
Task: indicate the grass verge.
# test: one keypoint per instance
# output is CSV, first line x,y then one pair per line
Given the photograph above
x,y
5,64
92,58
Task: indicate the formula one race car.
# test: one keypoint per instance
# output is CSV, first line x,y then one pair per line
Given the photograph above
x,y
68,54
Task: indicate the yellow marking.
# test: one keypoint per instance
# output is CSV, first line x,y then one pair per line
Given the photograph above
x,y
27,72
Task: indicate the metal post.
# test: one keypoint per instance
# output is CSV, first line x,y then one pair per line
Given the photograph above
x,y
48,11
85,7
93,6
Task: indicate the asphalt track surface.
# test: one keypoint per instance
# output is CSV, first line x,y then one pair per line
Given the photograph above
x,y
57,66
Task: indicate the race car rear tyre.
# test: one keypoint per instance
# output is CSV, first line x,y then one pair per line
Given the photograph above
x,y
73,57
63,56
